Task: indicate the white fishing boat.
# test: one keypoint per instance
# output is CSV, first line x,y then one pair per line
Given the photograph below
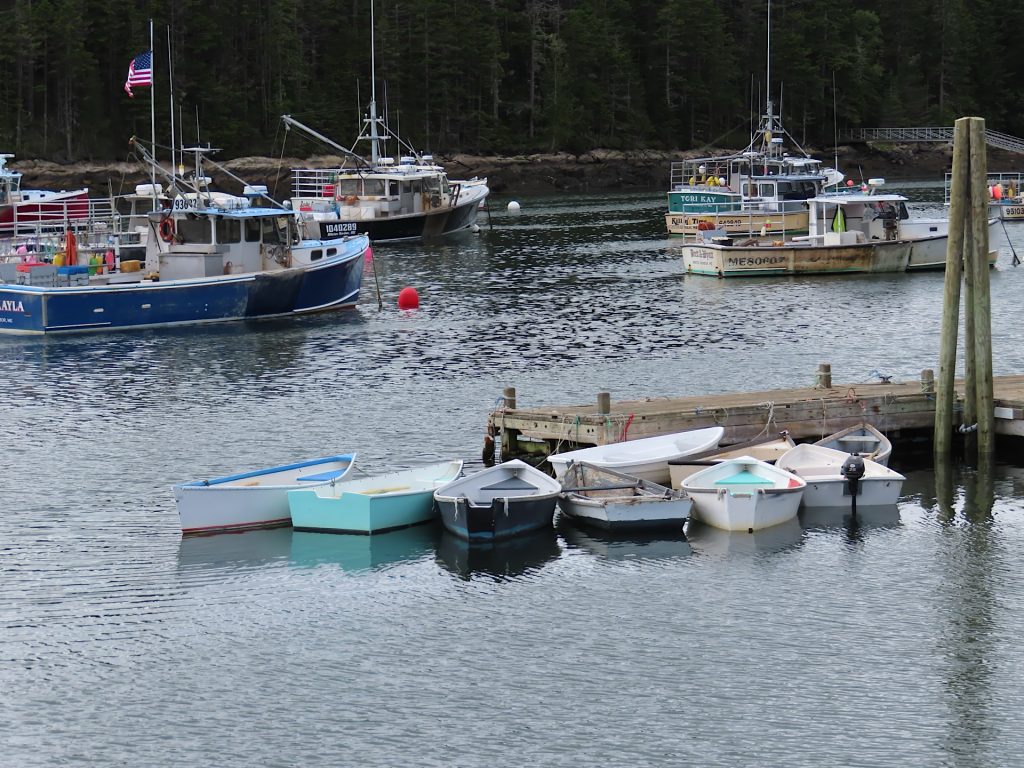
x,y
646,458
827,486
744,494
614,500
506,500
374,504
847,233
862,439
766,448
256,499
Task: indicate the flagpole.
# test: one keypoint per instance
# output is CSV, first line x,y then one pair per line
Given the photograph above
x,y
152,111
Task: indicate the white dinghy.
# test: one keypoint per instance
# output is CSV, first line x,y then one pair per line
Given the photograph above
x,y
860,439
744,494
610,499
257,499
827,486
766,448
646,458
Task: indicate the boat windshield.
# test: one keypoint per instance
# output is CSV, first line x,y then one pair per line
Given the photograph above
x,y
194,229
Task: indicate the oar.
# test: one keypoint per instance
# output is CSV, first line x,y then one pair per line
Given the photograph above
x,y
616,487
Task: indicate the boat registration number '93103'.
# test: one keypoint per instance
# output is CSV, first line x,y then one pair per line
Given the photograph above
x,y
1014,210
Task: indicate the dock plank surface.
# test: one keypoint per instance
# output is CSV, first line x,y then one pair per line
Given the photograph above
x,y
806,412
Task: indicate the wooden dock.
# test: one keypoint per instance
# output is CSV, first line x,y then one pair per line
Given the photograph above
x,y
807,413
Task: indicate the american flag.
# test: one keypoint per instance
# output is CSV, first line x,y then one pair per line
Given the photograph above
x,y
140,72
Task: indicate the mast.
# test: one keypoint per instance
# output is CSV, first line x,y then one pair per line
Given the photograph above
x,y
374,136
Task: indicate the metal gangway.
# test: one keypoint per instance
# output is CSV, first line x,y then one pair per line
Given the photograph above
x,y
994,139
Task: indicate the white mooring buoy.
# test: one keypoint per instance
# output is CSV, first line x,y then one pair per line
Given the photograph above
x,y
513,207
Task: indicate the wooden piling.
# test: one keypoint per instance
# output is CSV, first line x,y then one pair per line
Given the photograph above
x,y
509,446
823,377
927,380
604,402
958,207
981,308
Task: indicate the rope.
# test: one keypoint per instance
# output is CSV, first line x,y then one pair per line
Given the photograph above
x,y
771,417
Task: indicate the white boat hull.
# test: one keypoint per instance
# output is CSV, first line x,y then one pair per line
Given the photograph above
x,y
731,511
627,512
832,492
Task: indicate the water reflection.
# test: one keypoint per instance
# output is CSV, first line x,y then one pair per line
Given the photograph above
x,y
712,541
502,559
842,517
968,642
360,553
632,546
234,551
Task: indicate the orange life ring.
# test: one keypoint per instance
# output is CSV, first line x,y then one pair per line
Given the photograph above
x,y
705,225
167,229
351,200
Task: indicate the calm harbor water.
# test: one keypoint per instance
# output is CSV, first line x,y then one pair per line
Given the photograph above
x,y
895,642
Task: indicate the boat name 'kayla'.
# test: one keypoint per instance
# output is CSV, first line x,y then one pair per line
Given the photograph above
x,y
12,305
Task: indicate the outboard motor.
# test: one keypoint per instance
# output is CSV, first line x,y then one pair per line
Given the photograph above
x,y
853,470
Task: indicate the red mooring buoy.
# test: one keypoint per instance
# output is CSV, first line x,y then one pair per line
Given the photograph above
x,y
408,298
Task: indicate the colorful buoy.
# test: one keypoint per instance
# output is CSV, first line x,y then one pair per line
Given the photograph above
x,y
408,298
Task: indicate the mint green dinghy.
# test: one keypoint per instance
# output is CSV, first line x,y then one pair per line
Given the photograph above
x,y
372,504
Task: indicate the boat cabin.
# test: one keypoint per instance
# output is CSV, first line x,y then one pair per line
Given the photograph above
x,y
862,217
219,235
413,186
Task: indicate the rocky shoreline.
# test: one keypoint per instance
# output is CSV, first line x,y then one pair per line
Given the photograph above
x,y
595,171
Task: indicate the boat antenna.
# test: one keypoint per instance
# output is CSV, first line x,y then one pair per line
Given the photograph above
x,y
835,123
170,78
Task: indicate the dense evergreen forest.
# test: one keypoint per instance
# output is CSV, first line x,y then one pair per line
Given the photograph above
x,y
501,76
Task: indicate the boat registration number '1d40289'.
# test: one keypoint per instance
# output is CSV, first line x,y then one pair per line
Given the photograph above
x,y
332,229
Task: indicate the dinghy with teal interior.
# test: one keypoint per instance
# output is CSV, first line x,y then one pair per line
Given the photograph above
x,y
372,504
506,500
744,494
256,499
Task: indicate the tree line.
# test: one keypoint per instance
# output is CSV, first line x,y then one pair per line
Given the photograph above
x,y
500,76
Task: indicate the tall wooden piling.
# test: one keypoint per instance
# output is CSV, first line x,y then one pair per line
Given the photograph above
x,y
981,307
967,259
958,207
